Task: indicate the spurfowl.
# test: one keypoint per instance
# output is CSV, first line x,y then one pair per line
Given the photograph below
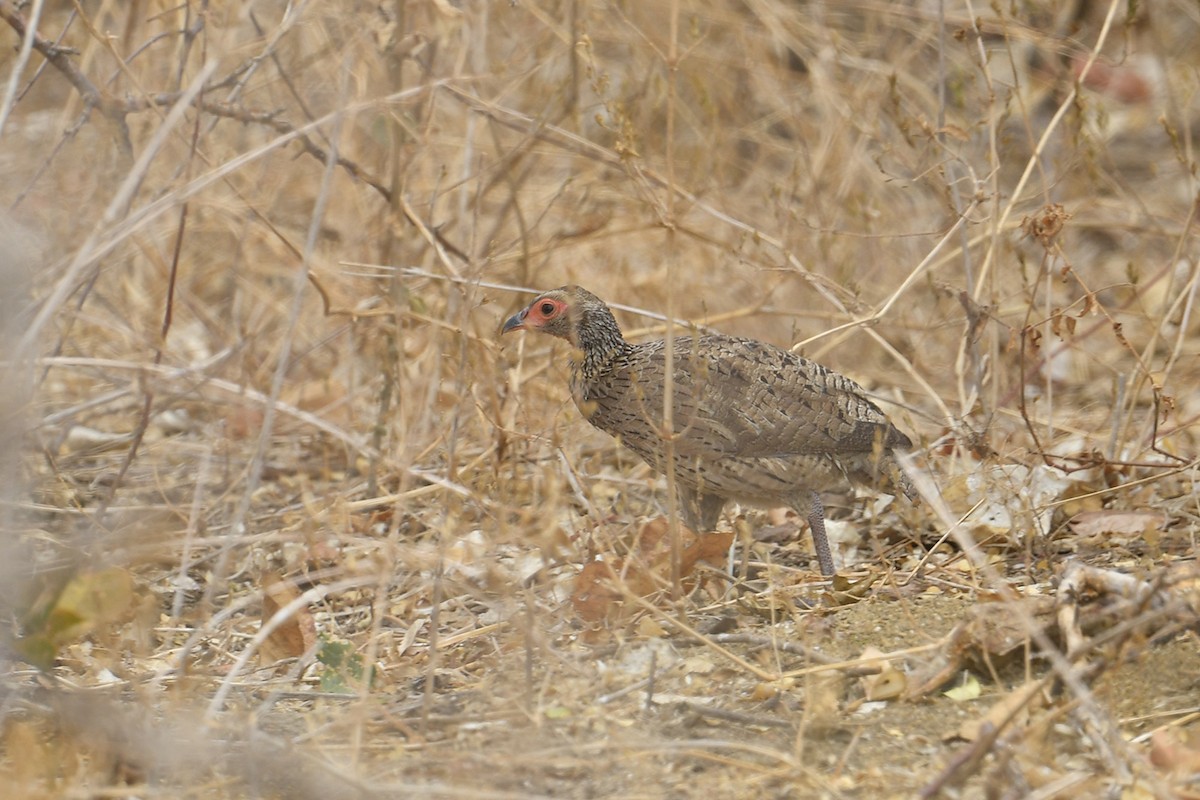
x,y
753,423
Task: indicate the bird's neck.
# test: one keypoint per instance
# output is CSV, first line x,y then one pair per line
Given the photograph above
x,y
599,345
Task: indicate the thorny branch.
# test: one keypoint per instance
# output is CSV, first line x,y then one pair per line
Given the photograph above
x,y
59,58
117,109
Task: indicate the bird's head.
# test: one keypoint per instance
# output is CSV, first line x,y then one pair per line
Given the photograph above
x,y
578,316
559,313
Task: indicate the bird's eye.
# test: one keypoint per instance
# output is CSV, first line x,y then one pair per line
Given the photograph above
x,y
547,309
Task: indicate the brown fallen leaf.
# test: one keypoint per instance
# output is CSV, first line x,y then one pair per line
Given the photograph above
x,y
294,636
242,422
1125,82
1170,753
597,596
889,683
1113,521
823,693
603,584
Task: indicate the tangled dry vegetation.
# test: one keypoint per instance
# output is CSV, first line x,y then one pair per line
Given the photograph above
x,y
283,517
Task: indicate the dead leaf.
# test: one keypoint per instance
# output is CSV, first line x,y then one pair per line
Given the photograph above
x,y
594,597
1078,498
1112,521
1169,753
1124,82
846,590
698,665
969,689
95,598
603,583
889,684
242,422
87,601
83,439
823,695
295,635
886,684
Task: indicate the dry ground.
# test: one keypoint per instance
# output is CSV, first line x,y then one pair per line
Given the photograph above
x,y
284,517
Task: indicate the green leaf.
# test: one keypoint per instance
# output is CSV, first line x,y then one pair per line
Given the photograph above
x,y
343,671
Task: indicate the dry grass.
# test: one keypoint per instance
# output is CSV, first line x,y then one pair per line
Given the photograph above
x,y
256,258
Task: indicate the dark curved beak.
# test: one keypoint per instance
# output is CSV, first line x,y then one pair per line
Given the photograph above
x,y
514,323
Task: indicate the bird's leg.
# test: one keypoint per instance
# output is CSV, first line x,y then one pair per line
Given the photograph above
x,y
816,523
700,511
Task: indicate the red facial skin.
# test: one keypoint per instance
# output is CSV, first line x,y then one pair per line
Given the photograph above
x,y
540,315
